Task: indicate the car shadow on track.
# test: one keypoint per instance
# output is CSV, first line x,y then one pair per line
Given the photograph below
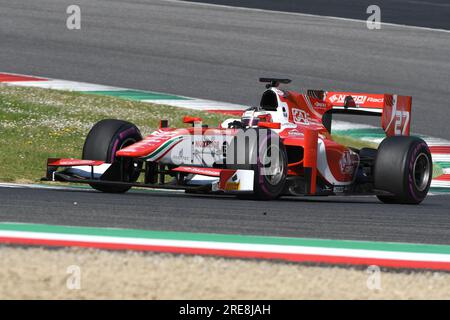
x,y
364,200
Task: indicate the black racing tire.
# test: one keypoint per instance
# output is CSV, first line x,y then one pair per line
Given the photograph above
x,y
404,168
103,140
266,187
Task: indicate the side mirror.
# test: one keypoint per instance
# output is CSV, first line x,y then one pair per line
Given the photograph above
x,y
163,123
189,119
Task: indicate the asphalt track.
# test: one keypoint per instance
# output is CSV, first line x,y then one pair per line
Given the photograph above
x,y
217,53
351,218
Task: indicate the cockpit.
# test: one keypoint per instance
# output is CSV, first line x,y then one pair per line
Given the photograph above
x,y
269,101
267,111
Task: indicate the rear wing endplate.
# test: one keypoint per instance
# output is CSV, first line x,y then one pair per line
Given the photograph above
x,y
394,110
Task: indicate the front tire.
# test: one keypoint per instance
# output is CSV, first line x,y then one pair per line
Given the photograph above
x,y
266,155
403,167
104,140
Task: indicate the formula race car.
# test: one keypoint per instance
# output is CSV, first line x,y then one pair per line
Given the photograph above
x,y
281,147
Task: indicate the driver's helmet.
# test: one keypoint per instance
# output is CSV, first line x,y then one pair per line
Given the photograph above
x,y
252,120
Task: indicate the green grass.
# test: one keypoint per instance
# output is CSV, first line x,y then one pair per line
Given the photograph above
x,y
353,142
36,124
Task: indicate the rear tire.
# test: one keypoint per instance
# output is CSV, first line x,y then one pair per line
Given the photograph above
x,y
104,140
269,179
403,167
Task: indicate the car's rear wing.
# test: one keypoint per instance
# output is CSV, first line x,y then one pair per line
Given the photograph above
x,y
395,110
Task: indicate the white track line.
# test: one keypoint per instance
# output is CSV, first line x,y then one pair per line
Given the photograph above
x,y
304,15
64,85
287,249
67,85
40,186
73,188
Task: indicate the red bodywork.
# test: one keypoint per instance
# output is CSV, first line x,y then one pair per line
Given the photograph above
x,y
298,119
302,121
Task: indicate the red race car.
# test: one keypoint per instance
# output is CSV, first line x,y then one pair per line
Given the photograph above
x,y
282,147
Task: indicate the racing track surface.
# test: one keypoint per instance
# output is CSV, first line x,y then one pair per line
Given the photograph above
x,y
430,13
217,53
362,218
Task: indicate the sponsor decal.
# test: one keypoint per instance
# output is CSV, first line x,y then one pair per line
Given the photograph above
x,y
320,105
233,183
346,163
375,100
340,98
74,162
300,116
207,143
401,122
232,186
180,157
295,132
203,171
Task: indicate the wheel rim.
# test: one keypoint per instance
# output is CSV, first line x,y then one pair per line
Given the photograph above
x,y
275,170
421,172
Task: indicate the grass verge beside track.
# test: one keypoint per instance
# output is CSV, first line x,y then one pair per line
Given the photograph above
x,y
37,124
